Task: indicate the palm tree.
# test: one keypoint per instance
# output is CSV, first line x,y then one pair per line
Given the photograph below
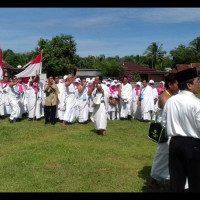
x,y
155,52
195,45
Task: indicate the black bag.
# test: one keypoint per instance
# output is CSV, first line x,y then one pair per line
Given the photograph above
x,y
157,133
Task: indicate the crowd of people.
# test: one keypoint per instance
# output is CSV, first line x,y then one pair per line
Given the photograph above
x,y
73,99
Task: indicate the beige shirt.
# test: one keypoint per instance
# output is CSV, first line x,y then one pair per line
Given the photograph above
x,y
51,95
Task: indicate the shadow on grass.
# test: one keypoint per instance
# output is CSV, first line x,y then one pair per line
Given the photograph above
x,y
148,187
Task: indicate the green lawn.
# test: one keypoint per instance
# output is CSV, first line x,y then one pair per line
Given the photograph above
x,y
43,158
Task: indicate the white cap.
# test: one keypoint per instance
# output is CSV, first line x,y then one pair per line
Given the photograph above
x,y
113,83
90,81
162,82
65,77
139,83
107,83
76,80
151,81
87,79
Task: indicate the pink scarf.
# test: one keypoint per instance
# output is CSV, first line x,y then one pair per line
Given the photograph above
x,y
35,84
137,89
20,87
112,90
3,82
160,90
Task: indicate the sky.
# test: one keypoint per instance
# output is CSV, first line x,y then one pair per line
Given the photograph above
x,y
100,31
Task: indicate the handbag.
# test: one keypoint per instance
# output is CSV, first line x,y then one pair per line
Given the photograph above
x,y
157,133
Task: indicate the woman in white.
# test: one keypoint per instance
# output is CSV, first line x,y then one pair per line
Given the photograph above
x,y
136,94
102,93
83,102
35,98
112,108
145,103
70,100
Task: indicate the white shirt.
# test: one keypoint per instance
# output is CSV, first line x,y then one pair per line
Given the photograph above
x,y
181,115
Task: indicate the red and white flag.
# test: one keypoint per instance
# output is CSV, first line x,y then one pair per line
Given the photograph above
x,y
36,64
1,66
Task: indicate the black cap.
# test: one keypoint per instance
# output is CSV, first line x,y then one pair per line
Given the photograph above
x,y
187,74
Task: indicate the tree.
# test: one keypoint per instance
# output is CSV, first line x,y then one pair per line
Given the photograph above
x,y
58,55
183,55
135,76
195,45
154,52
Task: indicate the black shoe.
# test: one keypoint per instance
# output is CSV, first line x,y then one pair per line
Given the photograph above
x,y
11,121
30,119
129,117
53,123
46,123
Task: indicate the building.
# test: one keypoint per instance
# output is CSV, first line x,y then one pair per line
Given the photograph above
x,y
144,72
10,70
180,67
88,73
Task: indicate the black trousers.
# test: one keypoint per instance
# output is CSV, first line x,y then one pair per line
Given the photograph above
x,y
50,113
184,161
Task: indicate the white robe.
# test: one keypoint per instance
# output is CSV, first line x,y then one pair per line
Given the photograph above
x,y
35,107
126,93
100,111
7,108
61,102
70,103
146,105
2,102
134,102
13,99
83,106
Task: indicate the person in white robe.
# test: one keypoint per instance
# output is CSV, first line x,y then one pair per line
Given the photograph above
x,y
61,105
35,98
136,94
125,94
83,102
155,97
160,170
145,103
90,102
13,99
113,103
5,84
101,93
2,102
70,100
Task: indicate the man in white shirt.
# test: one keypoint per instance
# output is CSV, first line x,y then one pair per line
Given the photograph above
x,y
181,117
125,94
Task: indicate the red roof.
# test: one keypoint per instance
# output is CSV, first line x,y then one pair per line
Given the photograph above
x,y
180,67
7,66
129,67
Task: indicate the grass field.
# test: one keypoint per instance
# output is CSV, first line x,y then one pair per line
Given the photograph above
x,y
44,158
35,157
